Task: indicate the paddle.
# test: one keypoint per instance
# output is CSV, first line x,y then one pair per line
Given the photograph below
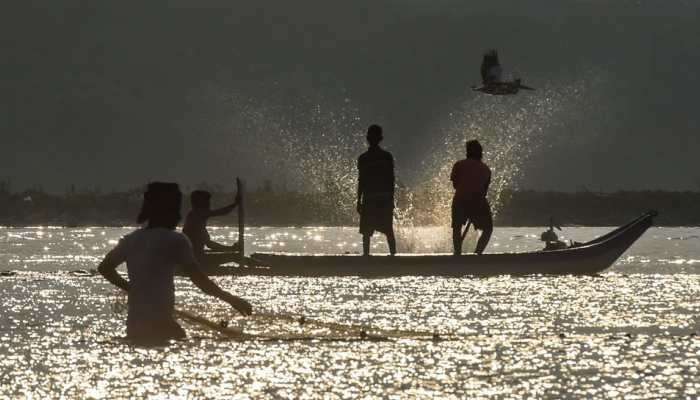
x,y
241,222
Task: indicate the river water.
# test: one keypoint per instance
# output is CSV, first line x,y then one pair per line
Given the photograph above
x,y
629,333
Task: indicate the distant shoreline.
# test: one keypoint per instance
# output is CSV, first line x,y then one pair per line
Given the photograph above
x,y
332,209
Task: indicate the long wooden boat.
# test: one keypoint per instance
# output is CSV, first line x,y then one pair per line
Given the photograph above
x,y
213,261
588,258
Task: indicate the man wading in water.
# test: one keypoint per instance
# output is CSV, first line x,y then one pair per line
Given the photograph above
x,y
471,179
151,255
375,191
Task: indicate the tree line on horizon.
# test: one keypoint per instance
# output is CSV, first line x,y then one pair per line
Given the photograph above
x,y
268,207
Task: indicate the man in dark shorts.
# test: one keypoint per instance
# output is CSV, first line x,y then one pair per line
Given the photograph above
x,y
375,191
471,178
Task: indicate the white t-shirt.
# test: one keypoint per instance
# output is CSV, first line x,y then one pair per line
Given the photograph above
x,y
151,256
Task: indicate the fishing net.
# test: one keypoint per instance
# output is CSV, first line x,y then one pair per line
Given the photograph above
x,y
267,326
273,326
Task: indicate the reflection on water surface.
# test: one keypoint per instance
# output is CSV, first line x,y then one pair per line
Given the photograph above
x,y
630,332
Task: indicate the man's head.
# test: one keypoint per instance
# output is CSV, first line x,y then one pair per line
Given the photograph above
x,y
474,150
200,200
491,55
161,205
374,135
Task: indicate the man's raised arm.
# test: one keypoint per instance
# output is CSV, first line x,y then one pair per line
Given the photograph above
x,y
225,210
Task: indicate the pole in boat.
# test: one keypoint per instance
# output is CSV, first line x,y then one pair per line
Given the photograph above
x,y
241,221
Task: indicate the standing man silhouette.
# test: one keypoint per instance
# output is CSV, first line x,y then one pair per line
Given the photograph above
x,y
471,179
375,191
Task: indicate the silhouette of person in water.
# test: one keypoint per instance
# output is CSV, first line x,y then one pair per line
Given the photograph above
x,y
195,227
491,71
151,254
375,191
471,178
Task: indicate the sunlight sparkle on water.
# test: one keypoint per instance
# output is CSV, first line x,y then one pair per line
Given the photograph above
x,y
628,333
519,337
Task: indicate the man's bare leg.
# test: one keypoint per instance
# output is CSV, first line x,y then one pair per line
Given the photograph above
x,y
365,244
391,241
457,240
483,239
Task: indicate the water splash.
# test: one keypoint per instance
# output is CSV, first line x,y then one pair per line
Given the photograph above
x,y
512,130
310,141
315,144
302,141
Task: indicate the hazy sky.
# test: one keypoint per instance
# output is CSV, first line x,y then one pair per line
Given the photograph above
x,y
113,94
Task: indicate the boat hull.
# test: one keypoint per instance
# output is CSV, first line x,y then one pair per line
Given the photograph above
x,y
587,259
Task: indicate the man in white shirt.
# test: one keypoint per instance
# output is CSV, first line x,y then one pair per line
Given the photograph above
x,y
151,254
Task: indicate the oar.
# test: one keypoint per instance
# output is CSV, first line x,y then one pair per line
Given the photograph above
x,y
241,222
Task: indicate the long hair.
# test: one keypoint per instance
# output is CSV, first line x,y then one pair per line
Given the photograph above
x,y
161,205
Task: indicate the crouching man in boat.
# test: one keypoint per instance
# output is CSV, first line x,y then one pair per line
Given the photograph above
x,y
375,191
195,227
151,255
471,179
491,71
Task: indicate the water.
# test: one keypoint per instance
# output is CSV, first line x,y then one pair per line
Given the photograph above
x,y
626,334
